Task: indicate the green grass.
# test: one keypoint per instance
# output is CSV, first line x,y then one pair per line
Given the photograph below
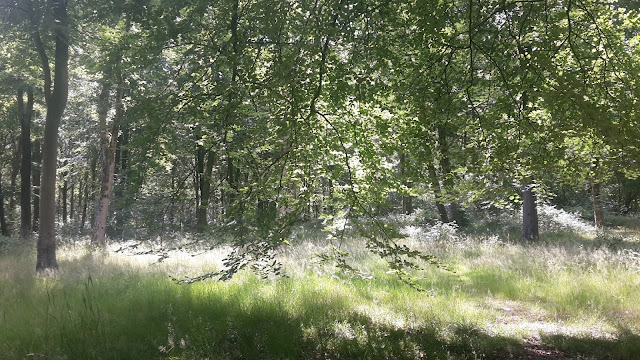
x,y
571,294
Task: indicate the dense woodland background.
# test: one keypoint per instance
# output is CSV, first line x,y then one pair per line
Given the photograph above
x,y
138,119
393,179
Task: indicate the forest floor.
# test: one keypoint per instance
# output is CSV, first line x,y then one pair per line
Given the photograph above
x,y
571,295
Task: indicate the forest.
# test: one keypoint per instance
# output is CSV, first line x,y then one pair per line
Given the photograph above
x,y
328,179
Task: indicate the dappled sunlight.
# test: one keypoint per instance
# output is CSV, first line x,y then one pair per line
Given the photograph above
x,y
553,219
497,297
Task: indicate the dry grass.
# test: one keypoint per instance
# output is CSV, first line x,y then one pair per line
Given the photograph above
x,y
573,294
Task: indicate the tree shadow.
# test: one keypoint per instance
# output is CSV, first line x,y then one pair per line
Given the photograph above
x,y
625,346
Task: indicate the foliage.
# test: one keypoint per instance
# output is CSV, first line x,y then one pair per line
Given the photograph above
x,y
249,118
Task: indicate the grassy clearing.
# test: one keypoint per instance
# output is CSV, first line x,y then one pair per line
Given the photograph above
x,y
572,295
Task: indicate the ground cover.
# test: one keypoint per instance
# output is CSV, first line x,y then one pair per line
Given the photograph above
x,y
572,295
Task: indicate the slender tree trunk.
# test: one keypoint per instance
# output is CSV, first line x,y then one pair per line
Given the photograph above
x,y
15,171
231,180
435,184
71,202
90,189
108,167
598,214
205,191
407,200
448,181
4,229
197,187
25,169
65,190
85,196
56,102
81,185
529,212
123,212
35,178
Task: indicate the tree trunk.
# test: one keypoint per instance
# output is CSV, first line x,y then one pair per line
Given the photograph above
x,y
197,179
407,200
448,181
90,188
25,168
4,229
407,205
598,215
71,202
15,171
123,212
85,196
64,190
81,184
529,212
35,178
435,184
108,145
205,192
56,102
232,183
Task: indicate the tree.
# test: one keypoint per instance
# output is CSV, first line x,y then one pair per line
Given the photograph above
x,y
35,178
56,100
4,229
25,115
108,142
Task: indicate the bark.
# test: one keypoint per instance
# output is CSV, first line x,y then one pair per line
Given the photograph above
x,y
15,171
598,215
72,189
64,191
529,212
90,190
197,179
25,168
123,212
35,178
231,180
81,184
85,196
108,145
437,191
448,180
4,229
407,200
56,100
205,192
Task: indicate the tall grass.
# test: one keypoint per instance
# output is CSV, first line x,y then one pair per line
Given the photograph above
x,y
573,293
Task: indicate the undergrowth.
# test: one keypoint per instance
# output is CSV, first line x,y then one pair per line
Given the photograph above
x,y
573,292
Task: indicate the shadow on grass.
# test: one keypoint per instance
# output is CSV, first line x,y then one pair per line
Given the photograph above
x,y
120,314
222,327
151,318
626,346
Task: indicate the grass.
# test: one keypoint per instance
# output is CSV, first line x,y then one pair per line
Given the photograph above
x,y
571,295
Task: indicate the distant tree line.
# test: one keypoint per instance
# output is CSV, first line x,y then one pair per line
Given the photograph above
x,y
252,116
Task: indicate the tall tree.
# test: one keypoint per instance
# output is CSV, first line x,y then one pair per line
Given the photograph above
x,y
108,143
56,101
35,178
25,169
4,229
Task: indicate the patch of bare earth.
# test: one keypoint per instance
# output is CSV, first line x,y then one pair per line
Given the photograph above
x,y
535,349
530,322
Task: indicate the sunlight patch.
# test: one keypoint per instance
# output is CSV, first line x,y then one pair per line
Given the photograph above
x,y
553,219
380,315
